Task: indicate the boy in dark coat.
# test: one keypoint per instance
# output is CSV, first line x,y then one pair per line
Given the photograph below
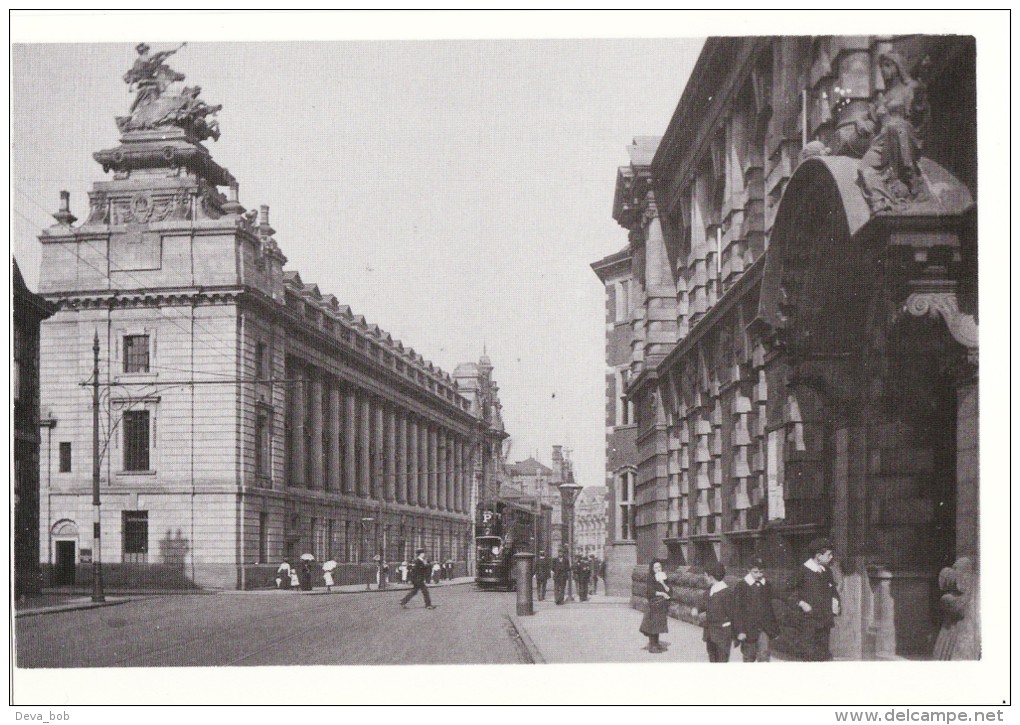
x,y
754,620
813,592
718,631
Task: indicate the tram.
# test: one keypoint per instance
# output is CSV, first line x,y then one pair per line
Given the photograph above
x,y
503,528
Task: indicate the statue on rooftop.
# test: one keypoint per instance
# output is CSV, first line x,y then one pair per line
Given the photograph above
x,y
153,107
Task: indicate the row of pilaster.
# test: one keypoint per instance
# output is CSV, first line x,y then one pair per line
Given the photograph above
x,y
346,440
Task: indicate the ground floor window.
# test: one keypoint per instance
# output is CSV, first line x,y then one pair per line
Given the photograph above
x,y
135,528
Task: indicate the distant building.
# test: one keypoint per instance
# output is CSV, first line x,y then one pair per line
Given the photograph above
x,y
803,281
29,311
530,479
247,416
591,517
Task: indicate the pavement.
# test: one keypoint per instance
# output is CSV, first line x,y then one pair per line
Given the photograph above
x,y
600,630
68,599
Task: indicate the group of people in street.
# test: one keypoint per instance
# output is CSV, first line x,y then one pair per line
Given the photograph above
x,y
585,570
743,615
437,571
298,578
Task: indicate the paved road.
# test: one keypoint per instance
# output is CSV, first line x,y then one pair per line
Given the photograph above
x,y
276,628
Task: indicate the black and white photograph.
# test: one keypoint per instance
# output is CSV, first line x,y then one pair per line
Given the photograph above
x,y
353,348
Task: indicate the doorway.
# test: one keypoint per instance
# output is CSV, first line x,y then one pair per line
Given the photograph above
x,y
63,570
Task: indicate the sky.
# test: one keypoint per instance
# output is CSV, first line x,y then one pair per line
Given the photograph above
x,y
454,192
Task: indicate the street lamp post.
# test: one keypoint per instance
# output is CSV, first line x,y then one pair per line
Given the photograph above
x,y
97,553
365,521
568,494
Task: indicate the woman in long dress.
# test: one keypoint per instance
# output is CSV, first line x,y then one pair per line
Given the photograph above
x,y
654,622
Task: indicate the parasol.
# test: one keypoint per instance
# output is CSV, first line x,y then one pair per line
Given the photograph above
x,y
307,557
329,565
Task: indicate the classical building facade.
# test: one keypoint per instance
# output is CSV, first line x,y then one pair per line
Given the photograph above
x,y
29,310
590,519
246,416
802,249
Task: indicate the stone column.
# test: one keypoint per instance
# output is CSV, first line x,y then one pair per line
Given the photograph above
x,y
335,432
967,490
423,463
315,475
458,500
412,459
433,468
442,490
390,453
298,433
364,466
350,442
377,451
401,450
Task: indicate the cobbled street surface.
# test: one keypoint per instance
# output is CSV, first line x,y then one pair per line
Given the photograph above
x,y
277,628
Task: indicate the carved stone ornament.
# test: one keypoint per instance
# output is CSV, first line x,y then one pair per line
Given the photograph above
x,y
99,208
956,639
961,326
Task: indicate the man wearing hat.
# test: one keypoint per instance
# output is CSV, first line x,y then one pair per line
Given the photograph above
x,y
541,574
813,592
718,632
419,575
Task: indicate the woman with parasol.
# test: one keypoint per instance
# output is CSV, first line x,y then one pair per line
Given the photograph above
x,y
327,574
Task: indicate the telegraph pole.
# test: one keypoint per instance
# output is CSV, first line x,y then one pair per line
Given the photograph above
x,y
97,565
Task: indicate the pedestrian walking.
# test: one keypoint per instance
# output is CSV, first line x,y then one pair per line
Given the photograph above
x,y
593,564
754,620
436,571
583,571
718,608
561,573
813,591
403,571
295,583
327,574
419,577
283,576
655,622
306,577
541,575
448,567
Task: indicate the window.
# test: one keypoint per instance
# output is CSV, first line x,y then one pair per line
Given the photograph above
x,y
263,537
65,457
136,440
623,301
135,526
136,354
624,408
260,361
262,444
625,501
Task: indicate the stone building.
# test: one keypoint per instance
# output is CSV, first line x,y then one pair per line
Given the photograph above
x,y
590,518
28,311
247,416
531,479
802,258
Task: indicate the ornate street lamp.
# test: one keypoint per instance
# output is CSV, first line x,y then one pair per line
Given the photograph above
x,y
568,494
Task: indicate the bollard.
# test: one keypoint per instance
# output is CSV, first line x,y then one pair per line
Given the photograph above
x,y
524,565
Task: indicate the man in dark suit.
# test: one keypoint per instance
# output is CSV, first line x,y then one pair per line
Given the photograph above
x,y
419,575
583,572
561,573
754,620
718,608
593,563
541,574
813,592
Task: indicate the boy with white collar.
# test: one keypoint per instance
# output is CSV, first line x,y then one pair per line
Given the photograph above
x,y
754,620
814,593
718,631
